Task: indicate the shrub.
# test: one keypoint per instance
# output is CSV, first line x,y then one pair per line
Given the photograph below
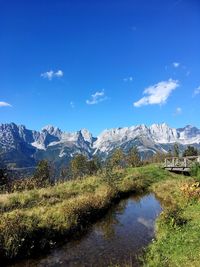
x,y
195,170
22,184
174,217
191,189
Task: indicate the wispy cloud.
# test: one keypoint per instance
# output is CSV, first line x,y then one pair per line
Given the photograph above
x,y
52,74
97,97
178,111
72,105
176,64
157,93
147,223
182,67
196,91
5,104
128,79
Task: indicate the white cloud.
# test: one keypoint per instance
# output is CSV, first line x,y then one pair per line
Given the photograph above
x,y
178,111
176,64
128,79
5,104
52,74
72,104
48,75
147,223
96,98
59,73
197,91
157,93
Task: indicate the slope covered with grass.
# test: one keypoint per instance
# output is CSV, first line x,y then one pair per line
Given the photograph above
x,y
177,240
37,219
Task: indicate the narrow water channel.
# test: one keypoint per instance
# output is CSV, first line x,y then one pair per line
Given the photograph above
x,y
118,238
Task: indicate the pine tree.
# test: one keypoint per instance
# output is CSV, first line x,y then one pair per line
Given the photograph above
x,y
43,174
176,150
117,159
93,165
133,157
190,151
78,166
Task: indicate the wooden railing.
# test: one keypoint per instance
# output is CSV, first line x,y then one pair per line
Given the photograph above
x,y
181,164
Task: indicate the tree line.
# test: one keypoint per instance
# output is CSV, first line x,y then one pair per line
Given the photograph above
x,y
81,166
189,151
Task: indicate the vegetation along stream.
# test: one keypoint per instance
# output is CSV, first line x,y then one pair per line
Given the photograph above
x,y
117,239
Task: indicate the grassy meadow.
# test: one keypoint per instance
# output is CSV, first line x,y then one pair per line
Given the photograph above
x,y
35,220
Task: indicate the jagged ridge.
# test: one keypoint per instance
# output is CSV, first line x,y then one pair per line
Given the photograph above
x,y
22,147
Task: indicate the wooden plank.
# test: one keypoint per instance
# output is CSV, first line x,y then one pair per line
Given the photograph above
x,y
185,162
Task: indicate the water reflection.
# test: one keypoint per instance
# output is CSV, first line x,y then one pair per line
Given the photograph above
x,y
117,238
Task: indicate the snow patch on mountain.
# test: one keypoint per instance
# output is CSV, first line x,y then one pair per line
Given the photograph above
x,y
52,143
38,145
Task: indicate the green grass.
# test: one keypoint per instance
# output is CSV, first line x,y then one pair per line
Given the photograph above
x,y
177,240
35,220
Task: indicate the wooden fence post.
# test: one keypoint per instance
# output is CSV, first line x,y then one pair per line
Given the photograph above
x,y
173,162
185,162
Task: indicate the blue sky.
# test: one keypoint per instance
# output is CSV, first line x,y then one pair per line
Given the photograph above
x,y
99,64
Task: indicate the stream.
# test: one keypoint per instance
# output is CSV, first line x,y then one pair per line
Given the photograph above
x,y
115,240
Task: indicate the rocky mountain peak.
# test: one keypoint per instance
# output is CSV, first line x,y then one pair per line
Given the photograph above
x,y
19,144
55,131
189,132
87,135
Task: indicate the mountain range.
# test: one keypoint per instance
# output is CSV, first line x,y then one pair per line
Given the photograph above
x,y
21,147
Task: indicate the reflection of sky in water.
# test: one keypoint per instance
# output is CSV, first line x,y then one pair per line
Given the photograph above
x,y
115,239
147,223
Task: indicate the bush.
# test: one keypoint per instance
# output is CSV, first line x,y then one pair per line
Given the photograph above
x,y
22,184
195,170
174,217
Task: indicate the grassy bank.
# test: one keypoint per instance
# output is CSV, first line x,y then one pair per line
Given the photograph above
x,y
177,240
36,220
